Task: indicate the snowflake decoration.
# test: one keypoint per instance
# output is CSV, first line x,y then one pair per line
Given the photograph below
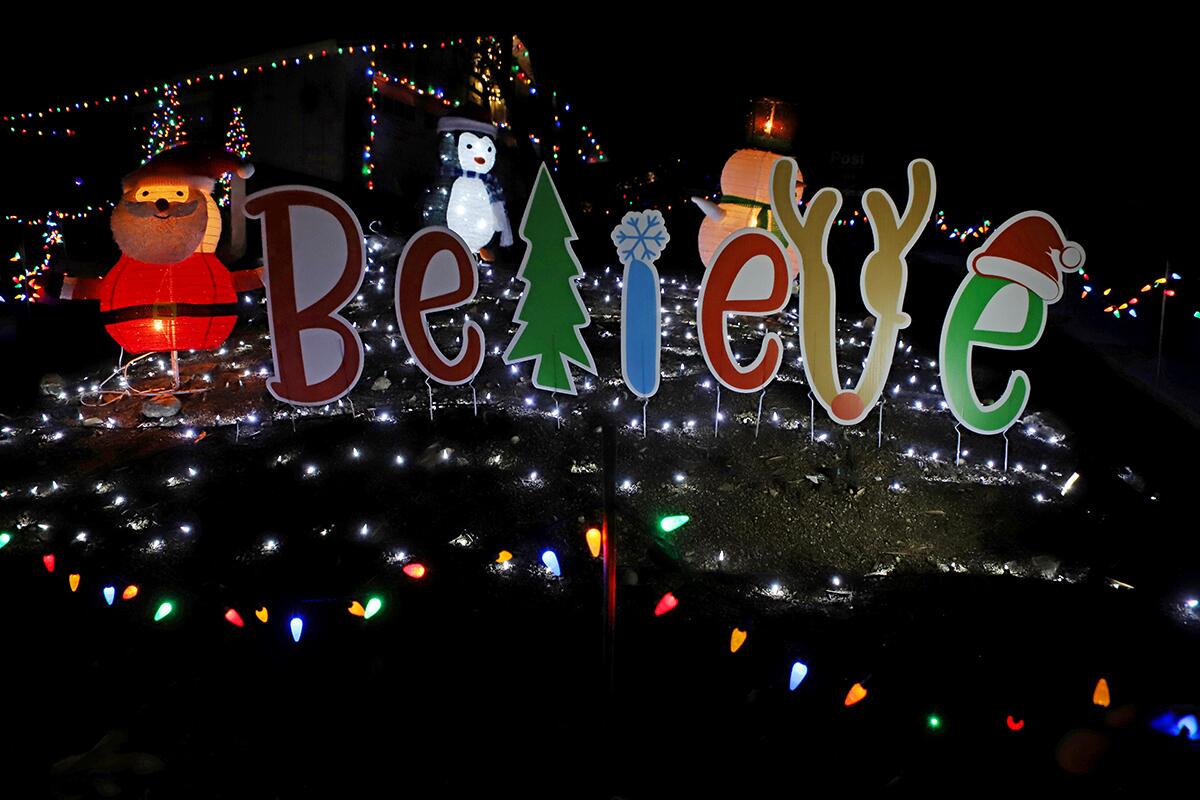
x,y
641,236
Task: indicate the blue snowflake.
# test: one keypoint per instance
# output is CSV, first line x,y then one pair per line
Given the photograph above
x,y
641,236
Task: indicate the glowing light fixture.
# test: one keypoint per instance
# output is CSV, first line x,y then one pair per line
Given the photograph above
x,y
593,541
673,522
799,673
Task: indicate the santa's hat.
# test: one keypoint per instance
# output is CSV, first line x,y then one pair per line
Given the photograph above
x,y
1029,249
188,165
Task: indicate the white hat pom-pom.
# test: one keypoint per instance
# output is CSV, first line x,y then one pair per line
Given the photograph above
x,y
1071,257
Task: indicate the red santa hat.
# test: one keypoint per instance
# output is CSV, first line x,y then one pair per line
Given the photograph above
x,y
1029,249
200,167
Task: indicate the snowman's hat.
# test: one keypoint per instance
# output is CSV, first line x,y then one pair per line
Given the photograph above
x,y
1029,249
446,124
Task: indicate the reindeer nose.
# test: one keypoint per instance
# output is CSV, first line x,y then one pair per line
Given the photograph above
x,y
161,204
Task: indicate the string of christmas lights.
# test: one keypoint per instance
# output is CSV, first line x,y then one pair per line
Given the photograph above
x,y
26,285
367,49
1161,282
53,133
549,565
379,78
59,214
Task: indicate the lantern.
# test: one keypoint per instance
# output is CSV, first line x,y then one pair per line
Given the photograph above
x,y
771,124
745,202
169,291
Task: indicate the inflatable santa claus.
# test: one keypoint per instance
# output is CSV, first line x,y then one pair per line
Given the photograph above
x,y
169,291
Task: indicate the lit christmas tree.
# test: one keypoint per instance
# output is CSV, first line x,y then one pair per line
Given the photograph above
x,y
237,141
167,125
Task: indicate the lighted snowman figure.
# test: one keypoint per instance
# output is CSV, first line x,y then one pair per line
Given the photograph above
x,y
475,209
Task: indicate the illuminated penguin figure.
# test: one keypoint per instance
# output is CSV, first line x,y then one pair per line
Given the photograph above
x,y
475,206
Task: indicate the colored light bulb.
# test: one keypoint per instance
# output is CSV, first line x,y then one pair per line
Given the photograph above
x,y
110,594
593,541
48,562
550,559
673,522
73,580
414,570
736,640
374,604
857,693
357,609
933,722
1014,724
1101,696
799,673
164,611
5,538
131,591
297,626
666,603
234,618
261,614
504,557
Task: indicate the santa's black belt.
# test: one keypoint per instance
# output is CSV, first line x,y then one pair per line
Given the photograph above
x,y
169,311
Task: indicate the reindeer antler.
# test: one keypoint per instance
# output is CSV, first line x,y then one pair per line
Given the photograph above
x,y
884,279
808,233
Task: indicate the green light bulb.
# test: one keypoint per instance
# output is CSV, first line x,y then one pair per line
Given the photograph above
x,y
934,722
673,522
164,611
373,606
5,538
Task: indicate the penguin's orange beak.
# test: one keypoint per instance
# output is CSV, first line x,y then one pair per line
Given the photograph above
x,y
480,160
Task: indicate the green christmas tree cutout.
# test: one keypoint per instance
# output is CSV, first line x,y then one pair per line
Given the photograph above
x,y
550,312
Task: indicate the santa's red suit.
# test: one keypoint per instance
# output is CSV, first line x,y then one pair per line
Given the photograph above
x,y
191,305
148,308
